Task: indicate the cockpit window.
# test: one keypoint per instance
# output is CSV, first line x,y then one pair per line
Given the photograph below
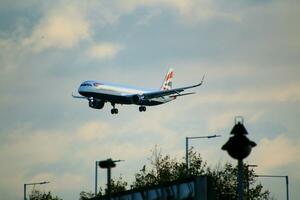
x,y
97,84
86,84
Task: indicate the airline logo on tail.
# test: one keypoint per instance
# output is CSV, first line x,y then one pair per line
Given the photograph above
x,y
167,84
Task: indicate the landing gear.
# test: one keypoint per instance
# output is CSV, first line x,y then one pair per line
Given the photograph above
x,y
142,108
114,110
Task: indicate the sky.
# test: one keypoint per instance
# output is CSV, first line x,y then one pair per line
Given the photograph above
x,y
249,52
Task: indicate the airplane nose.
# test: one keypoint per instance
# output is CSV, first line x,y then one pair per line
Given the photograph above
x,y
81,89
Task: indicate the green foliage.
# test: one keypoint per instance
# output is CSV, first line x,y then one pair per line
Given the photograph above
x,y
85,195
224,178
118,185
163,169
225,183
37,195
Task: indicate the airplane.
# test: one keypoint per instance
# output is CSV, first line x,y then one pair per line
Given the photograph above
x,y
99,93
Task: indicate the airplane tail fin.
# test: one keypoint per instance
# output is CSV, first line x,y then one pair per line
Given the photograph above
x,y
167,84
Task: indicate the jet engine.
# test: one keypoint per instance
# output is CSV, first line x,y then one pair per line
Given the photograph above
x,y
96,103
137,99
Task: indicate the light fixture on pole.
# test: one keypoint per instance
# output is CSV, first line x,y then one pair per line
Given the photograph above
x,y
37,183
187,148
239,147
277,176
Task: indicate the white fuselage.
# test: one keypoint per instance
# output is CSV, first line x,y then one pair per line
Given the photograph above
x,y
114,93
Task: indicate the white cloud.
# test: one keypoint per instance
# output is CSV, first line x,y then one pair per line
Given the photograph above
x,y
221,121
189,11
278,152
61,183
33,148
25,149
289,92
104,50
226,119
94,131
63,27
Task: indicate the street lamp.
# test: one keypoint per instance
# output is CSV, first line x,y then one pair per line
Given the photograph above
x,y
37,183
108,164
276,176
187,148
239,147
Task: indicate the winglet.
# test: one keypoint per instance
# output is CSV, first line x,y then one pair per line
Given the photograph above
x,y
202,79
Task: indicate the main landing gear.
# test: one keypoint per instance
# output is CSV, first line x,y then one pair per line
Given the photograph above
x,y
114,110
142,108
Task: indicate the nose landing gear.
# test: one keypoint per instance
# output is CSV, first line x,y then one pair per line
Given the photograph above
x,y
114,111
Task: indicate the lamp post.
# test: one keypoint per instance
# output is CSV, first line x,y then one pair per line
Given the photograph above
x,y
239,147
187,148
37,183
108,164
276,176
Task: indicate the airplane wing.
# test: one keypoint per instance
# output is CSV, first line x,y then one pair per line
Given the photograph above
x,y
184,94
175,91
79,97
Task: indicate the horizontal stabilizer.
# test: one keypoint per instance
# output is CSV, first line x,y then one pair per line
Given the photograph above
x,y
78,97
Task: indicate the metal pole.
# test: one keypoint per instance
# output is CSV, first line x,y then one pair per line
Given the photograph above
x,y
187,148
287,187
240,180
24,191
248,184
96,178
187,155
109,183
38,183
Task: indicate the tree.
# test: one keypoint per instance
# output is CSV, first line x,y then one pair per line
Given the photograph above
x,y
163,169
85,195
38,195
118,185
225,183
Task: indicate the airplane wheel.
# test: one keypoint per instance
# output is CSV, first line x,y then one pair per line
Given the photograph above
x,y
142,108
114,111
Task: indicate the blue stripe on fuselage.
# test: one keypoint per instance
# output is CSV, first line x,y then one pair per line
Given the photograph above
x,y
120,86
118,93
